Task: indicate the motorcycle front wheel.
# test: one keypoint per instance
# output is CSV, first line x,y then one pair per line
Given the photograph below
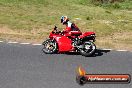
x,y
88,49
49,46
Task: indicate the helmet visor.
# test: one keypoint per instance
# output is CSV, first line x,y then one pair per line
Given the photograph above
x,y
61,20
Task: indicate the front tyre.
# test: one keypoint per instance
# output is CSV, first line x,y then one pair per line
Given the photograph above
x,y
49,46
88,49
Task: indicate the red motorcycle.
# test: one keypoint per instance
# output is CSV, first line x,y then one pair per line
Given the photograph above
x,y
59,42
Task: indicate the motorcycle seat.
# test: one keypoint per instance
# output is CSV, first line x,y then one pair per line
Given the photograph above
x,y
75,33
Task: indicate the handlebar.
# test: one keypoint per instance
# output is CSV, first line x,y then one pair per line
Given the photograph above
x,y
56,31
55,28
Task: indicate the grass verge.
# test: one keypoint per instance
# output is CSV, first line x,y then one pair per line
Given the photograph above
x,y
22,20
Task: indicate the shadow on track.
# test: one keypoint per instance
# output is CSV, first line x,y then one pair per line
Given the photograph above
x,y
98,52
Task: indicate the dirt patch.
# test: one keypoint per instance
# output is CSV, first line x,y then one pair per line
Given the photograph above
x,y
122,35
33,36
6,30
120,40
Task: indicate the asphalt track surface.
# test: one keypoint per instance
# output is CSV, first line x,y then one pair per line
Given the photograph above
x,y
26,66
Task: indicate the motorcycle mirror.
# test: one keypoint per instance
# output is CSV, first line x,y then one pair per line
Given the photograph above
x,y
55,28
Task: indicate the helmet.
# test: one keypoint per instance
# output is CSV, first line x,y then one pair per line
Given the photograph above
x,y
64,19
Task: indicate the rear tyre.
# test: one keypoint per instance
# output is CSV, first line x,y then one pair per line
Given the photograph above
x,y
49,46
88,49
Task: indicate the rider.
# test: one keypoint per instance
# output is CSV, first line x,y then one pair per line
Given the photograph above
x,y
70,27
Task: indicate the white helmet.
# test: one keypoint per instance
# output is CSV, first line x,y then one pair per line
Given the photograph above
x,y
64,19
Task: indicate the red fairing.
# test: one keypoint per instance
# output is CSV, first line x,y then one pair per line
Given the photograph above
x,y
86,34
51,36
64,43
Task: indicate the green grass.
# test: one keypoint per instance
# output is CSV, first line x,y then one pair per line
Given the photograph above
x,y
41,15
127,4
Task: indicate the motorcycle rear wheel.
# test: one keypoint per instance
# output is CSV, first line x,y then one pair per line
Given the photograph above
x,y
50,46
88,49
